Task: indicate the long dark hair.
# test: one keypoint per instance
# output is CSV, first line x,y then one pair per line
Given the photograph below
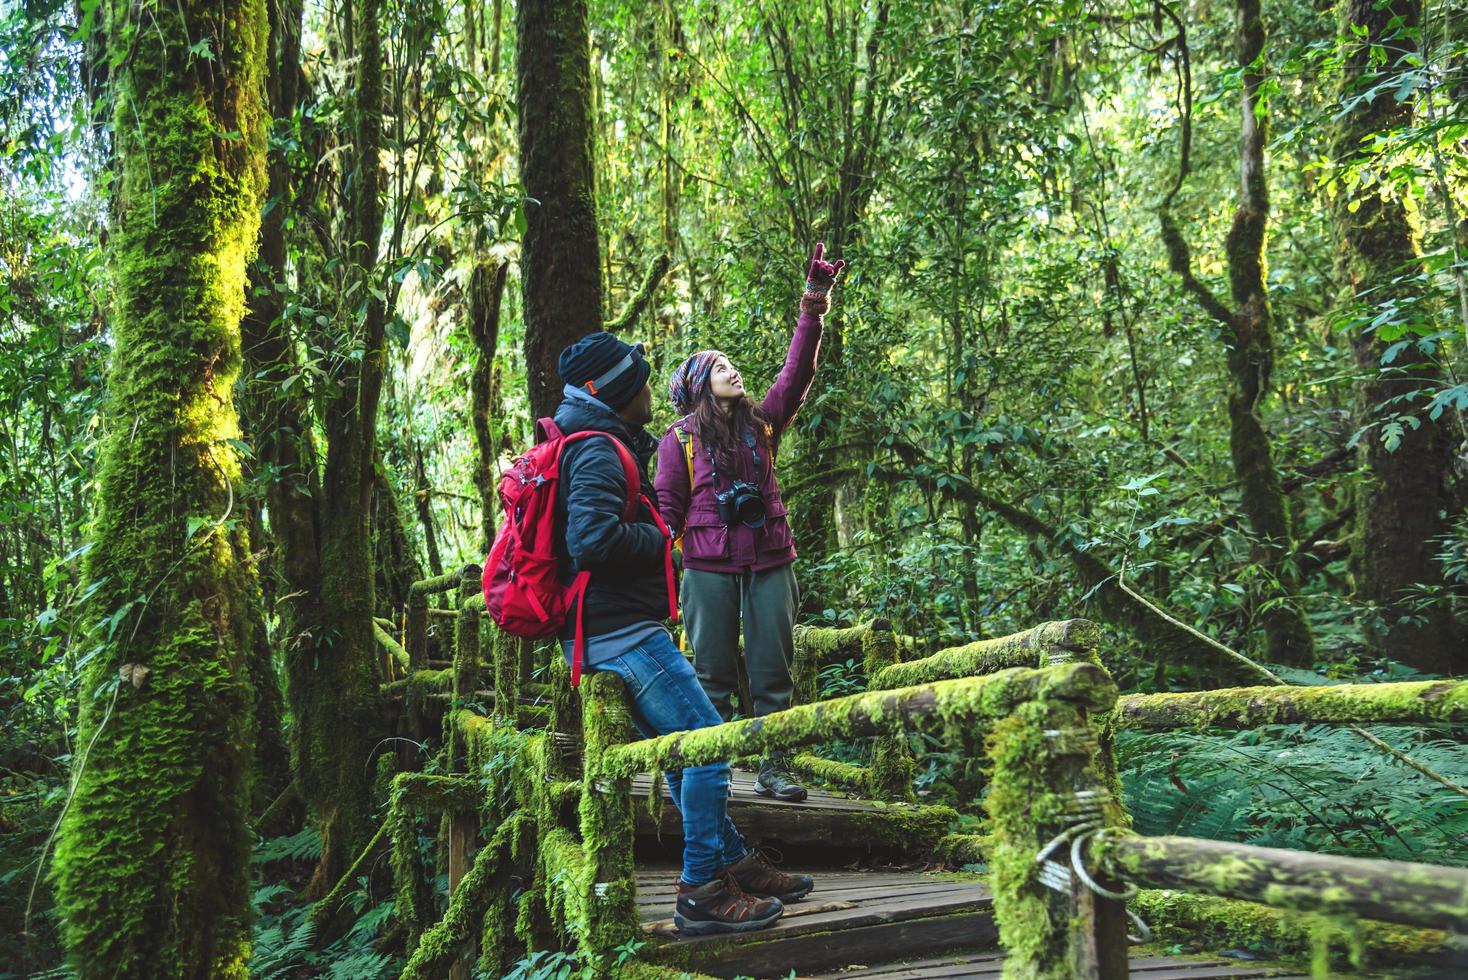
x,y
723,432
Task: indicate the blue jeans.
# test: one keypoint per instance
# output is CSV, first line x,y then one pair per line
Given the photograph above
x,y
666,698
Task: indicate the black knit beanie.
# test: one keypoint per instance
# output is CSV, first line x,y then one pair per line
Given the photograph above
x,y
603,366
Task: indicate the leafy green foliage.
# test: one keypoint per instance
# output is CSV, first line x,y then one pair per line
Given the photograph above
x,y
1319,789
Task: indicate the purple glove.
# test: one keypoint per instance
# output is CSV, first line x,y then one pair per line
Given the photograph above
x,y
819,278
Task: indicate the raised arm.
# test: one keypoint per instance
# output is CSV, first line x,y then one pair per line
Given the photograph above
x,y
788,393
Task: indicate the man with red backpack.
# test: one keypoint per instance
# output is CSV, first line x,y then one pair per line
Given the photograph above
x,y
725,886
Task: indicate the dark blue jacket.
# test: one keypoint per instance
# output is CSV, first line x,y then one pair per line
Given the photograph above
x,y
628,581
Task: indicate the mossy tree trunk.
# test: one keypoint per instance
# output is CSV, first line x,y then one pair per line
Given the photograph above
x,y
1407,499
321,513
1249,338
561,266
273,423
396,565
486,289
333,677
152,862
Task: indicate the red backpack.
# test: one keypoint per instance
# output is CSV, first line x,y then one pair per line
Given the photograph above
x,y
522,584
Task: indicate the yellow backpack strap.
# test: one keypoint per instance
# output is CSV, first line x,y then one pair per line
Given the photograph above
x,y
686,438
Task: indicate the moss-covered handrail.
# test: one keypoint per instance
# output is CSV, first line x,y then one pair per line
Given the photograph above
x,y
889,777
1049,643
1403,892
423,588
416,626
1419,702
947,706
816,646
392,647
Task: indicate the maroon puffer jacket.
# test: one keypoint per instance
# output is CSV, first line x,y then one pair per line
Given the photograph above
x,y
708,545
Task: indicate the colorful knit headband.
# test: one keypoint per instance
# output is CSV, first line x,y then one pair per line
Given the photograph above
x,y
687,384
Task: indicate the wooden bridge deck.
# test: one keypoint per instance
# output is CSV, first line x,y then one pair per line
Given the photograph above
x,y
821,819
987,966
876,925
851,917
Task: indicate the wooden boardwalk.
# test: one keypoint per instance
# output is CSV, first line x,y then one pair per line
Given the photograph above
x,y
987,966
876,925
852,916
822,819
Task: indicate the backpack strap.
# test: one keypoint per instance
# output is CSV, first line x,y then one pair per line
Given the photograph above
x,y
685,438
634,495
629,465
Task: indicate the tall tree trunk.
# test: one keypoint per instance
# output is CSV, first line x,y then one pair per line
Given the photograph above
x,y
274,425
320,515
152,862
334,676
1249,334
561,267
486,289
396,565
1407,498
1251,356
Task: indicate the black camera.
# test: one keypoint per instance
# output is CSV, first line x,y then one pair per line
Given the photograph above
x,y
742,503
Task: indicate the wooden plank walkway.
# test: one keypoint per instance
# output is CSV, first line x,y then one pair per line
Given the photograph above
x,y
851,917
987,966
822,819
878,925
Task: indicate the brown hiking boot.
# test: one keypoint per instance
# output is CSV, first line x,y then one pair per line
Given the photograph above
x,y
722,906
758,876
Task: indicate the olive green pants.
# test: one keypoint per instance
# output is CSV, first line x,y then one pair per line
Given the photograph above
x,y
714,604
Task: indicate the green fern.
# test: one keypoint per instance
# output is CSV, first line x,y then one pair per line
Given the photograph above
x,y
1320,789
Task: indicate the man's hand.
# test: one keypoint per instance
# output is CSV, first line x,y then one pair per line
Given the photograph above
x,y
820,276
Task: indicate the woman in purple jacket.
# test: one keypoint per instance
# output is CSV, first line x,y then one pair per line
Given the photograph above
x,y
716,486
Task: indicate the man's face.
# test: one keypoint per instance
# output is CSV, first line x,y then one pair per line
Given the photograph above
x,y
639,410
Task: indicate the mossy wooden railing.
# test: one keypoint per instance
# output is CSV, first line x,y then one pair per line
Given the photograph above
x,y
551,812
1431,898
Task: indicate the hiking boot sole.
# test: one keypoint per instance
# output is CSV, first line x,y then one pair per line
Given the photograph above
x,y
713,926
795,896
798,796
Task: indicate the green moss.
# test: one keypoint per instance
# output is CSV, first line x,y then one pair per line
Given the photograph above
x,y
487,875
1202,922
1048,643
963,849
892,762
1031,799
955,708
830,771
152,859
1250,707
610,909
816,646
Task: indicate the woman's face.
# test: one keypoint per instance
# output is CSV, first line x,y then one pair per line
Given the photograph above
x,y
724,381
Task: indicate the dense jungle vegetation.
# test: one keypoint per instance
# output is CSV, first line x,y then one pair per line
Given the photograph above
x,y
1154,316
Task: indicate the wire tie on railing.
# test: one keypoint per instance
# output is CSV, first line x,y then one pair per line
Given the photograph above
x,y
1060,839
1077,847
1078,865
1055,876
1144,931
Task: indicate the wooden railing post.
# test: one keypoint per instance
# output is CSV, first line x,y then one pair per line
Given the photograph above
x,y
607,823
464,824
892,762
1049,789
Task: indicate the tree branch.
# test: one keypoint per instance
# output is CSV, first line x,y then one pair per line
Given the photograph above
x,y
639,300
